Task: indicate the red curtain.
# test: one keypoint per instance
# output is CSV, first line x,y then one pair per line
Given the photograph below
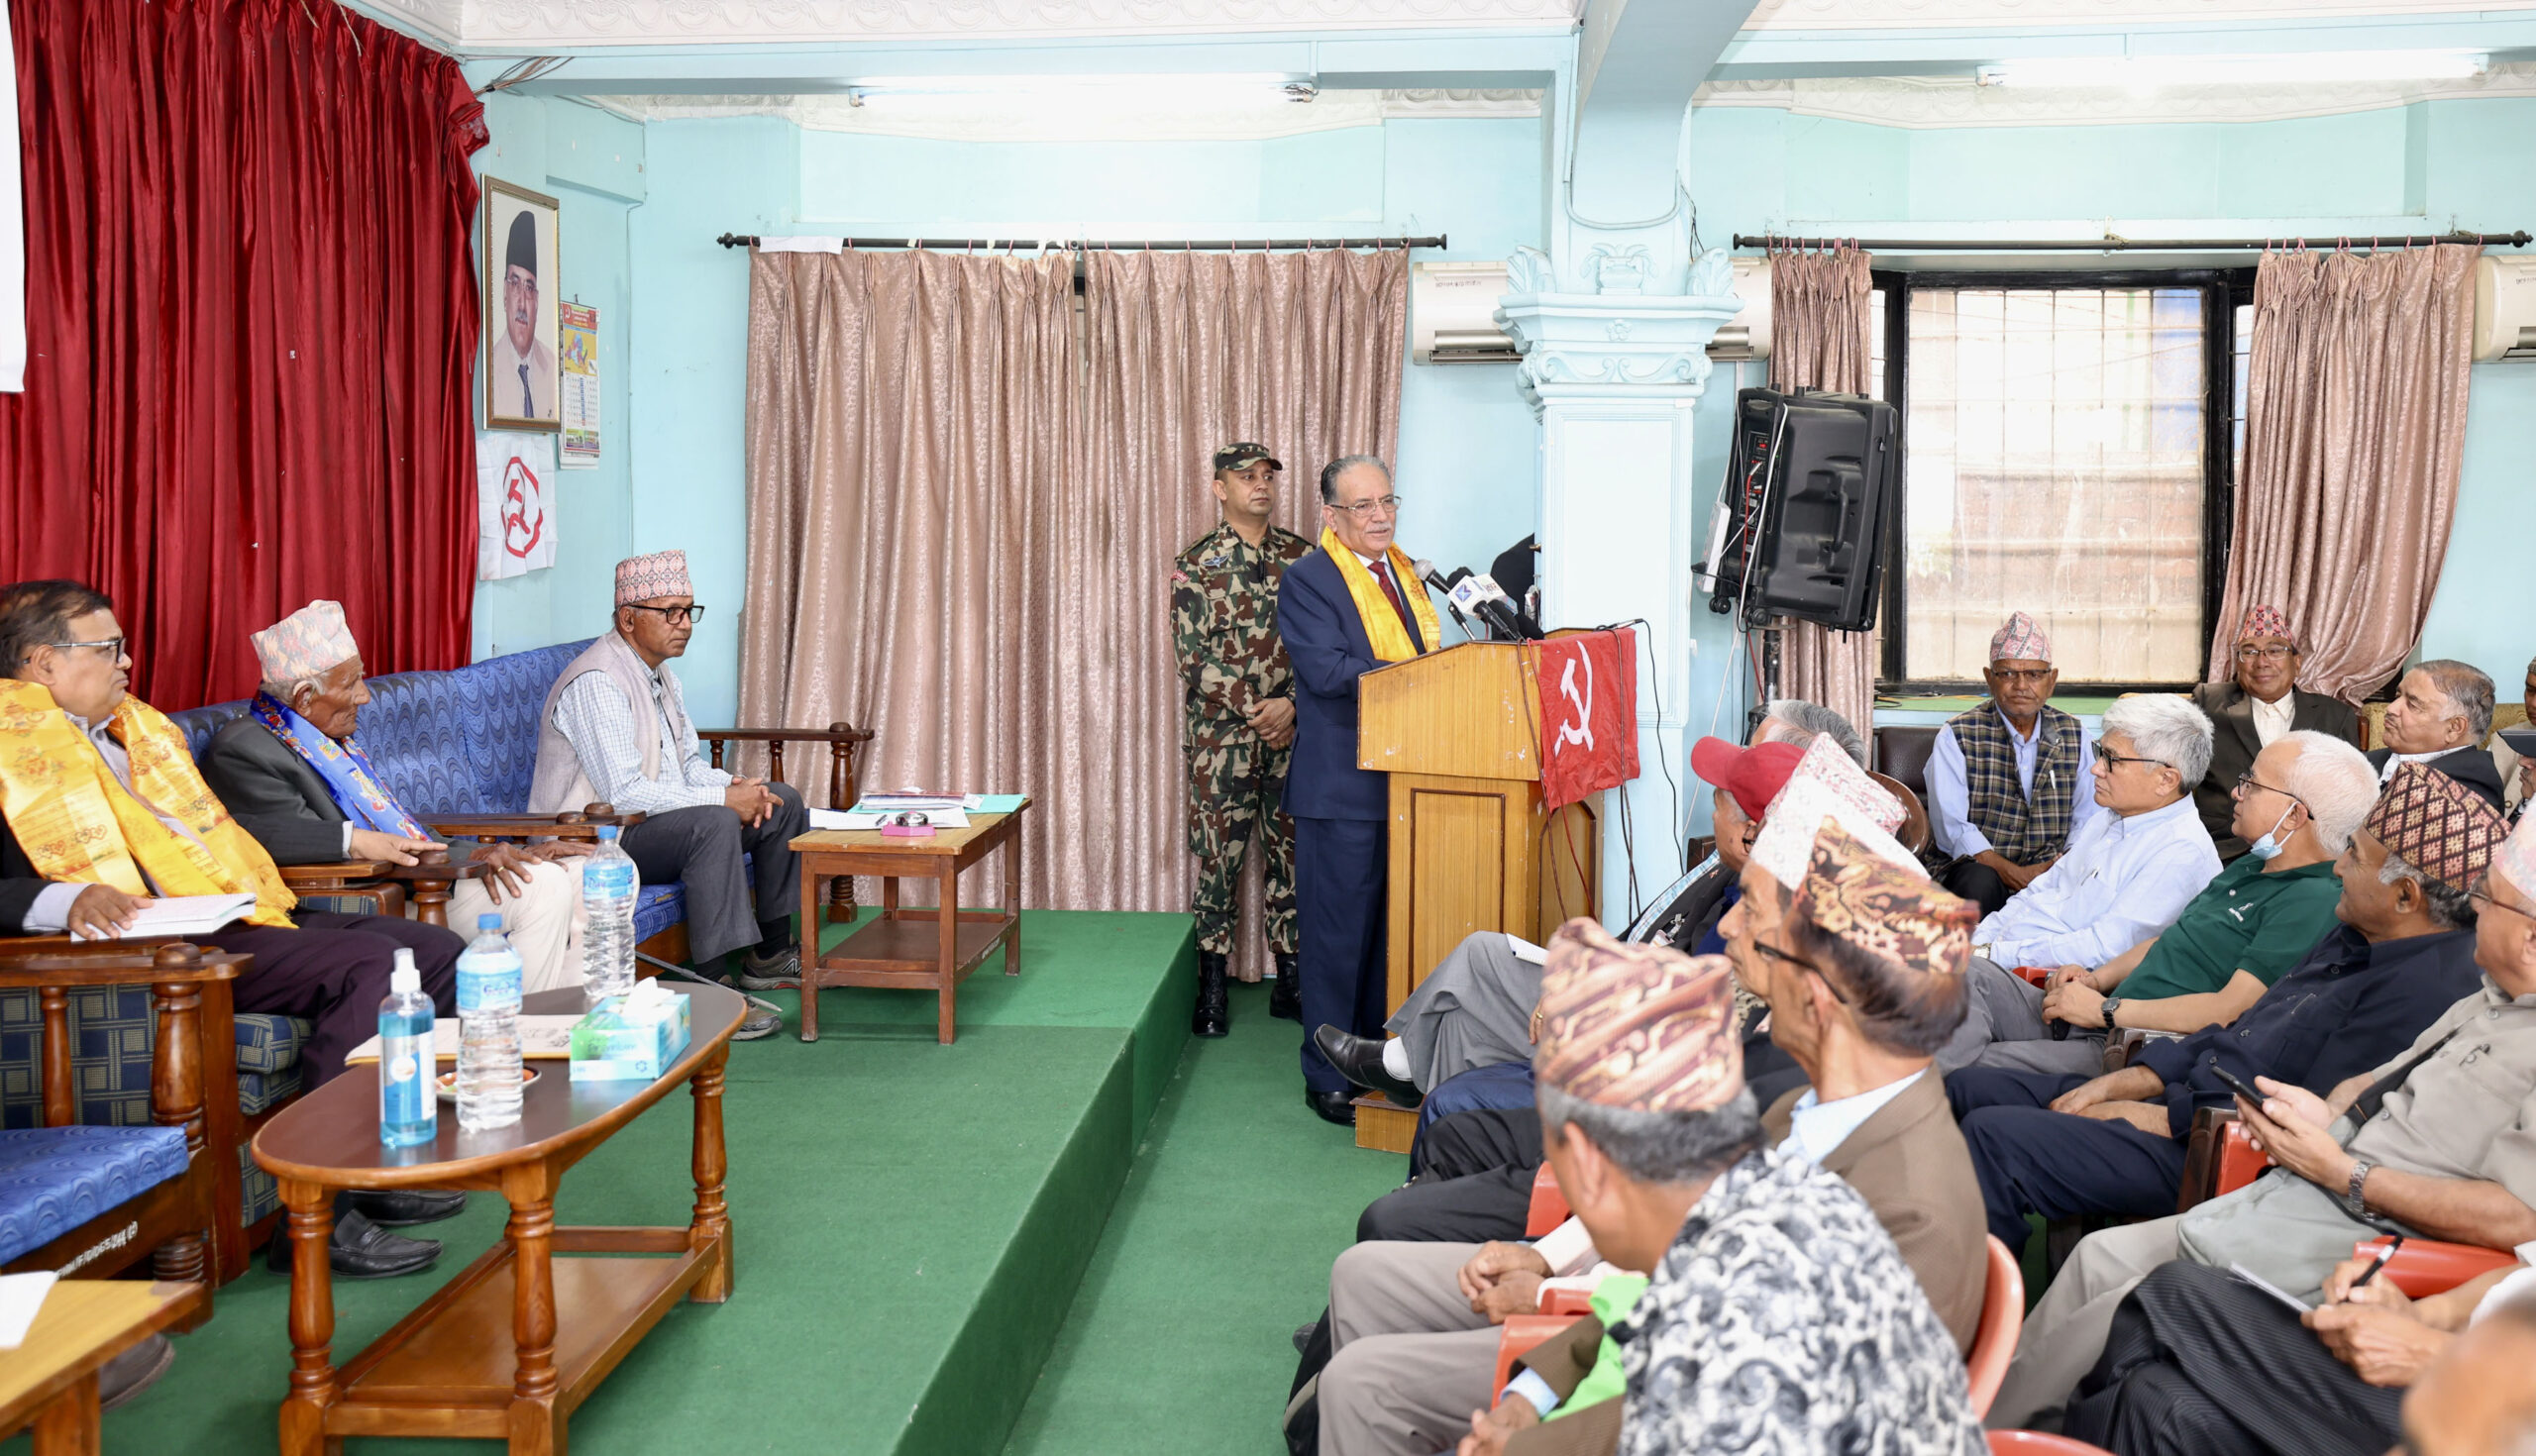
x,y
252,319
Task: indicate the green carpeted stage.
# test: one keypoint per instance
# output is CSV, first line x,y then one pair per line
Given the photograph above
x,y
912,1221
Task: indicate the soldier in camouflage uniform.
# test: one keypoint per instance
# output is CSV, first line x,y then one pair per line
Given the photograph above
x,y
1238,721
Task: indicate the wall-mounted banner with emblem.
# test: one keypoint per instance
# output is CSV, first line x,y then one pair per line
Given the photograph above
x,y
1588,685
578,355
514,503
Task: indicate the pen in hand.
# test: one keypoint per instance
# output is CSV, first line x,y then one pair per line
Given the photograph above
x,y
2385,1252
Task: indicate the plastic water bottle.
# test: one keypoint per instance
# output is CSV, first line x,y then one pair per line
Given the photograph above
x,y
608,884
408,1103
488,987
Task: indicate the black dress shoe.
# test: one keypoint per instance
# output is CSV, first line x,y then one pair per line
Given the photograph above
x,y
1286,997
1333,1106
1359,1059
1212,1014
359,1249
400,1207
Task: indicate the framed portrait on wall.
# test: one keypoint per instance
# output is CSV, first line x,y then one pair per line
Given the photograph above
x,y
522,382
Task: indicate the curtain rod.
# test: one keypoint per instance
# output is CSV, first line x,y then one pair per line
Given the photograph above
x,y
2112,242
1147,244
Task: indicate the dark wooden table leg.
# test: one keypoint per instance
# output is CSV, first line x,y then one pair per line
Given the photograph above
x,y
535,1427
66,1424
712,1220
311,1224
1012,898
947,967
809,949
889,897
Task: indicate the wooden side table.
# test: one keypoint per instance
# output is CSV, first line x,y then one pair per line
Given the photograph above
x,y
911,949
49,1383
509,1348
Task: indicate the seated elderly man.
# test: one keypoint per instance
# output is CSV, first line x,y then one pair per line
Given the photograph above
x,y
1778,1315
2436,1142
2008,781
2298,806
2255,709
615,730
2201,1363
2063,1146
290,774
1862,971
2479,1396
2442,711
100,799
2129,873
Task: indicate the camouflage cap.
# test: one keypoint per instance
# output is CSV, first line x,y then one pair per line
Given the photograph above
x,y
1241,453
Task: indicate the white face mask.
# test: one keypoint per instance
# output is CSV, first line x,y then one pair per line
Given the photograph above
x,y
2269,846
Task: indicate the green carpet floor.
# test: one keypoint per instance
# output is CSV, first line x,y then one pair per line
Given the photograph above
x,y
1180,1340
911,1221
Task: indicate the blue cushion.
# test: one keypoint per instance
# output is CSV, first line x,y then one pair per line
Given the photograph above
x,y
657,907
55,1179
262,1092
110,1030
270,1042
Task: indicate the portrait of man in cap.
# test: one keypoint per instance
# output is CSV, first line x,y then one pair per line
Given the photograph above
x,y
521,382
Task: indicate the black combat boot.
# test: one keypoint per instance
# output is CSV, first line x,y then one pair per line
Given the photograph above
x,y
1286,997
1212,1016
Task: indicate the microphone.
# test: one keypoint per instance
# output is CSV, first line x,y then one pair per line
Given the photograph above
x,y
1444,587
1481,595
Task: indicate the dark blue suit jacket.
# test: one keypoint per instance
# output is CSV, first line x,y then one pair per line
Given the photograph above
x,y
1327,644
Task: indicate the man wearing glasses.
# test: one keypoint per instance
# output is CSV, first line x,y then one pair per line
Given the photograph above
x,y
1343,610
2008,781
614,730
2253,710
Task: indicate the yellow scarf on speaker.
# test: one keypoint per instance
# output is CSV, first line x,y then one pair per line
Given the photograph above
x,y
1373,606
76,822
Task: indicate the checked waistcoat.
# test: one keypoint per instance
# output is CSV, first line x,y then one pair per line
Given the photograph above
x,y
2026,832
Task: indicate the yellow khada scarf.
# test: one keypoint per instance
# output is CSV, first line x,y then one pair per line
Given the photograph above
x,y
1373,608
76,822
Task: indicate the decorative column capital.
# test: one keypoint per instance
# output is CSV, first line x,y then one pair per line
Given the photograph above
x,y
1619,343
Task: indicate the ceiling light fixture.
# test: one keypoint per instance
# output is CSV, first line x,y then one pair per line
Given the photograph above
x,y
1131,93
2147,72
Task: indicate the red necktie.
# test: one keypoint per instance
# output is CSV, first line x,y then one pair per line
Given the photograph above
x,y
1382,573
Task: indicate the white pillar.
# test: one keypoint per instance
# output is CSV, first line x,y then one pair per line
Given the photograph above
x,y
1613,377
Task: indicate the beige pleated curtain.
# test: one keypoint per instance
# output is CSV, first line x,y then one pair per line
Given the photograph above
x,y
2355,432
963,513
1820,317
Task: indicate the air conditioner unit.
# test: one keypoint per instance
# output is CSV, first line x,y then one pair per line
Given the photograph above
x,y
1747,334
1453,307
2504,308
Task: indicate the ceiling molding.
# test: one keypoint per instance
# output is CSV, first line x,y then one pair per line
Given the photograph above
x,y
1950,102
1438,105
583,23
440,21
1860,15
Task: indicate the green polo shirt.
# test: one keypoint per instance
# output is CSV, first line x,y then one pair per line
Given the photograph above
x,y
2244,920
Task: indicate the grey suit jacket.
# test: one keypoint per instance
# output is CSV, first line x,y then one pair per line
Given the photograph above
x,y
273,794
2233,745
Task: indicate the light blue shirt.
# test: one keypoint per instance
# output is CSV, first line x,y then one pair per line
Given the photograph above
x,y
2123,881
1949,802
1814,1128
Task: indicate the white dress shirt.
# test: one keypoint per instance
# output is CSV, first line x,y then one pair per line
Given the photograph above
x,y
2271,719
2123,881
1816,1128
1951,804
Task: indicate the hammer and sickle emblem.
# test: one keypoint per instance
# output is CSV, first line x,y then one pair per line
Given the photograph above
x,y
523,524
1581,730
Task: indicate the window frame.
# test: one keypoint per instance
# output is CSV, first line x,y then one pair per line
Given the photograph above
x,y
2221,289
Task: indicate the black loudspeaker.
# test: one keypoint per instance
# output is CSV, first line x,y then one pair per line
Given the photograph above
x,y
1809,499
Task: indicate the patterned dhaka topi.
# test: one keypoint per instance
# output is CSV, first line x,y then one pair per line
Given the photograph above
x,y
2437,825
2264,621
644,578
305,643
2020,640
1853,894
1828,764
1785,844
1636,1027
2515,857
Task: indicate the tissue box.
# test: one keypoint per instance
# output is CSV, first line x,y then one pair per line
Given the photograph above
x,y
630,1037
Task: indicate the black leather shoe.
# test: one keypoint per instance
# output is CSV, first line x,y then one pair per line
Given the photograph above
x,y
1286,997
1359,1059
359,1249
1333,1106
400,1207
1212,1016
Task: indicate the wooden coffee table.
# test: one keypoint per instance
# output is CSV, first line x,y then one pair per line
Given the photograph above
x,y
911,949
49,1381
512,1346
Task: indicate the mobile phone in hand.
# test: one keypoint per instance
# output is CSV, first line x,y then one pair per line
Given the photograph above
x,y
2238,1084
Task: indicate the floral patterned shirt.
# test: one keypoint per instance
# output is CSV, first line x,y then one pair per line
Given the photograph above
x,y
1783,1320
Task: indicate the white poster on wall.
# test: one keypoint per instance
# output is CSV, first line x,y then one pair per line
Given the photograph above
x,y
13,226
514,503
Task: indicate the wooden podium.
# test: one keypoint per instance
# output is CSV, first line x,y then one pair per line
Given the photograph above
x,y
1471,846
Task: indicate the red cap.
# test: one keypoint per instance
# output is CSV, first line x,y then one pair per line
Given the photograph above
x,y
1754,776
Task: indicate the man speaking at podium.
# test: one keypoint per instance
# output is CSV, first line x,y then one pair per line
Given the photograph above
x,y
1347,608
